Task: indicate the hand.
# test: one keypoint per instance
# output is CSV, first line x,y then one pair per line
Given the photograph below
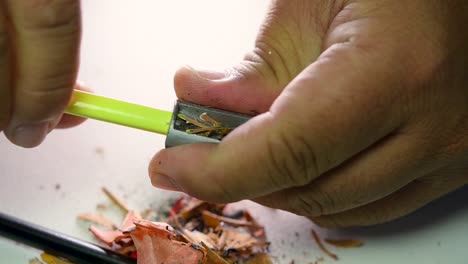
x,y
39,44
363,113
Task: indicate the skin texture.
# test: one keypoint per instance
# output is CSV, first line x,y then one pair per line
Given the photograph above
x,y
362,112
39,46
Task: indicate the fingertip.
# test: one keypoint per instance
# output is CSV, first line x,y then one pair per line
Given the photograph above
x,y
192,85
155,163
185,168
28,135
181,161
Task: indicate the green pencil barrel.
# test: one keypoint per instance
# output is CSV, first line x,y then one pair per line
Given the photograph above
x,y
118,112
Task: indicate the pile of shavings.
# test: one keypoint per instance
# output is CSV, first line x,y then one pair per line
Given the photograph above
x,y
191,232
188,231
234,236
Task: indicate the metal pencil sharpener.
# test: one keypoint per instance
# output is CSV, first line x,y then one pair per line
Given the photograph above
x,y
193,123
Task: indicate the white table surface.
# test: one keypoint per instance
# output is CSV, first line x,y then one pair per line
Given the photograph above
x,y
131,50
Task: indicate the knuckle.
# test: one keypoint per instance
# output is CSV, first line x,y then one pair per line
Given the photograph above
x,y
313,204
56,84
49,77
44,80
38,15
268,59
292,159
307,206
40,103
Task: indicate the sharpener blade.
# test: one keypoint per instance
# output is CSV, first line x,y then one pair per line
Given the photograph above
x,y
178,134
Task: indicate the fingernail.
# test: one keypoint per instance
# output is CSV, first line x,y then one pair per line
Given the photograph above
x,y
31,135
208,74
164,182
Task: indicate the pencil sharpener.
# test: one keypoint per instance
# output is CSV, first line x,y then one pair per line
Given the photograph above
x,y
191,123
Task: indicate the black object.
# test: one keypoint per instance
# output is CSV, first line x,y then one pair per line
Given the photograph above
x,y
58,244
